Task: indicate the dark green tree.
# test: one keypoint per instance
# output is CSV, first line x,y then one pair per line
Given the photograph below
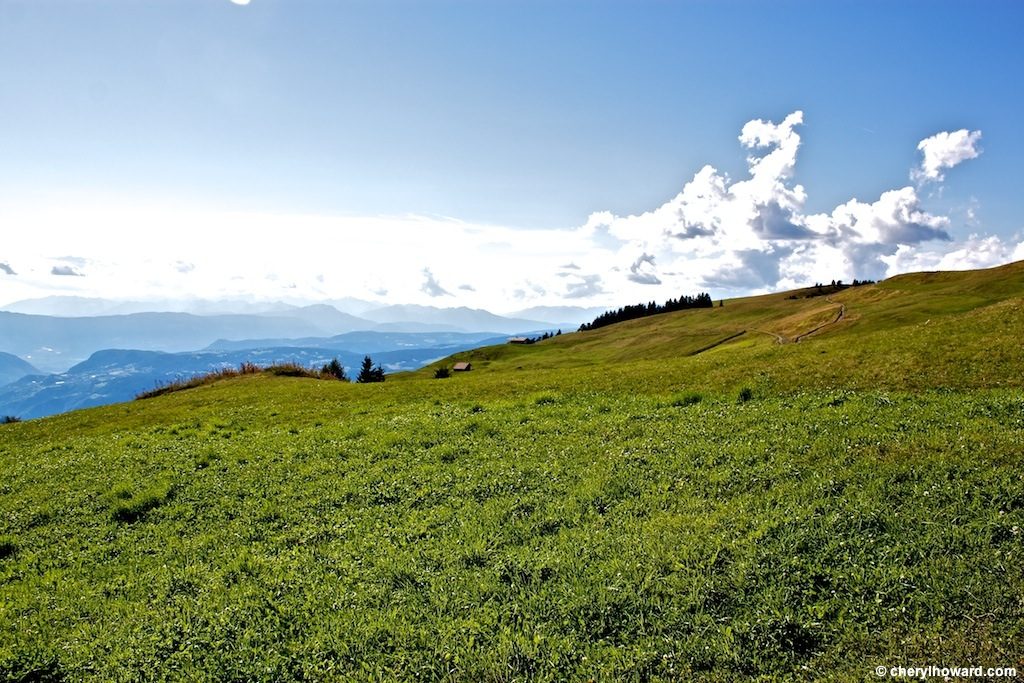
x,y
334,369
368,373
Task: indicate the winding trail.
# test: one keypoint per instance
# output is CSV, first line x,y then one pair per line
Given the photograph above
x,y
839,316
717,343
779,339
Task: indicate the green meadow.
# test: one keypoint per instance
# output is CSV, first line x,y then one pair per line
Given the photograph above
x,y
674,498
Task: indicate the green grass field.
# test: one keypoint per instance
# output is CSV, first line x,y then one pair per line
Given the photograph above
x,y
598,506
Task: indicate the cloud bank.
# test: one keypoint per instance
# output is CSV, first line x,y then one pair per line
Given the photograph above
x,y
754,234
729,236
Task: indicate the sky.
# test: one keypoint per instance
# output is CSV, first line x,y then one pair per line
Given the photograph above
x,y
502,153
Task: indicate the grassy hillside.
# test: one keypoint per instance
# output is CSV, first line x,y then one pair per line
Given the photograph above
x,y
596,506
924,330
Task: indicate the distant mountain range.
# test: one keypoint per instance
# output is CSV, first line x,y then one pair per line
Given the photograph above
x,y
368,341
79,306
54,363
460,319
54,344
110,376
373,312
559,315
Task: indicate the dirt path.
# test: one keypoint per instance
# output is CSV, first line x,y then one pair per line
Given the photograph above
x,y
839,316
717,343
779,339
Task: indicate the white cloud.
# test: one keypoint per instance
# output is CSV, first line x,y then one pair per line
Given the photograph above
x,y
753,234
585,287
643,271
782,142
975,252
65,270
431,287
240,2
734,236
943,151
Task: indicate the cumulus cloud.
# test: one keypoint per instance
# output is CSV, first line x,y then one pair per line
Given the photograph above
x,y
6,268
755,234
65,270
431,287
896,218
598,229
643,271
781,140
467,288
186,267
943,151
586,286
749,269
976,251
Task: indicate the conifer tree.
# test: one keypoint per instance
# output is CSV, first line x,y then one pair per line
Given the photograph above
x,y
368,373
334,369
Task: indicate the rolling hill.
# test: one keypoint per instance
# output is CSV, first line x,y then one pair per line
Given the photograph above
x,y
13,368
114,375
923,330
778,489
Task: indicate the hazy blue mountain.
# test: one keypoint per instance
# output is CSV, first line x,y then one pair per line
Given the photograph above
x,y
566,316
54,344
352,305
112,375
460,319
78,306
412,326
69,306
327,318
13,368
370,341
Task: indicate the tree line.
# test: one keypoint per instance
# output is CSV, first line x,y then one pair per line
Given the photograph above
x,y
546,335
632,312
820,289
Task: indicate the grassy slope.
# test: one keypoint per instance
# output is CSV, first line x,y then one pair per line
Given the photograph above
x,y
926,330
579,518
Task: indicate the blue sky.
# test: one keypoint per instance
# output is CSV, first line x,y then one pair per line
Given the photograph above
x,y
493,129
